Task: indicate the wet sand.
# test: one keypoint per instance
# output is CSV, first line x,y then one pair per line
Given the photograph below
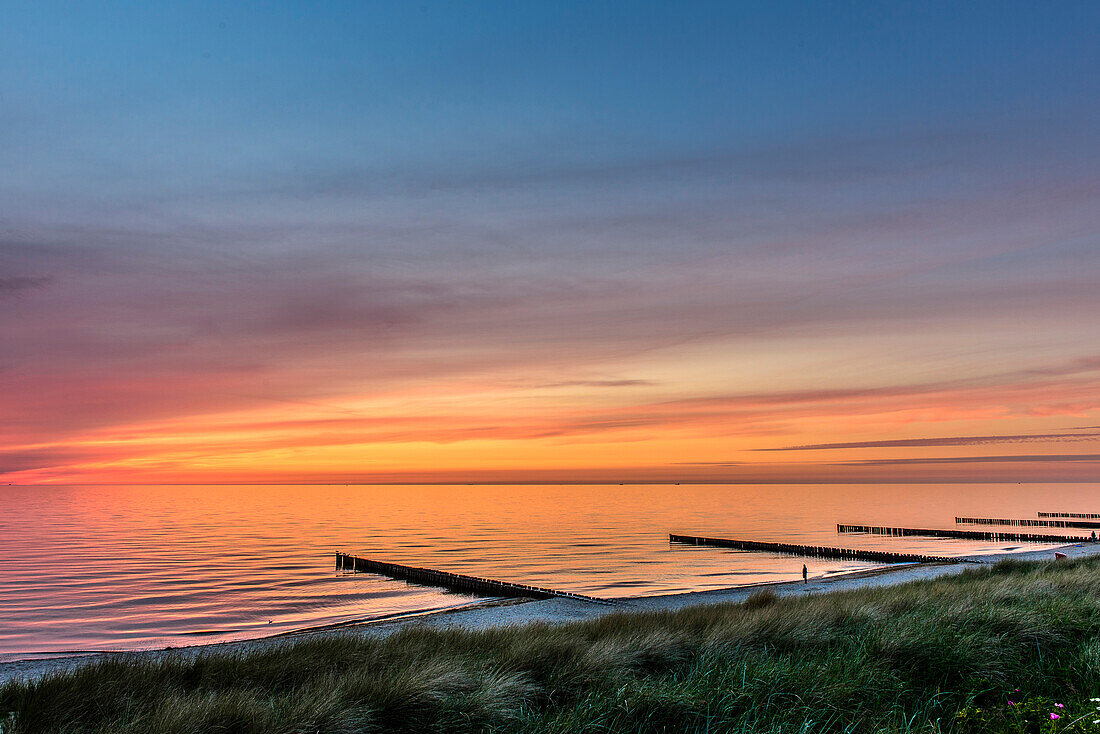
x,y
492,614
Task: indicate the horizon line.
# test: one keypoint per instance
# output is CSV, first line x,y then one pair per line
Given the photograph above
x,y
571,482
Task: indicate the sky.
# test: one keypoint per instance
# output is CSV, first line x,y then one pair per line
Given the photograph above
x,y
576,241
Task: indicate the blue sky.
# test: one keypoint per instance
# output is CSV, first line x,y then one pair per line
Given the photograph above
x,y
112,100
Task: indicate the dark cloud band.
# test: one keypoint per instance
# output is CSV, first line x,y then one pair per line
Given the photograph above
x,y
943,441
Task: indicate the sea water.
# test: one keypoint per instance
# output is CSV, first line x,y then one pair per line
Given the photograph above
x,y
87,568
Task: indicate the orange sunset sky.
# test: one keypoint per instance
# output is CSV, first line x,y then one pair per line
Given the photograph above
x,y
370,247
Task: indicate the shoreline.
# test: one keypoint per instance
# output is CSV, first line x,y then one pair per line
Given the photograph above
x,y
497,613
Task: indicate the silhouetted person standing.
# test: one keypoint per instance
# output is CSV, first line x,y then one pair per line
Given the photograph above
x,y
805,574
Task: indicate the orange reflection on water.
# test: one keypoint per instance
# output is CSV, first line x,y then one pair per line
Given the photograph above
x,y
137,566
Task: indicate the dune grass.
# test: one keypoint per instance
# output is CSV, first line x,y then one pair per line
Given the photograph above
x,y
943,655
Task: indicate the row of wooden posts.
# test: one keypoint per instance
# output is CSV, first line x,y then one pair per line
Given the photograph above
x,y
817,551
963,534
1028,523
454,581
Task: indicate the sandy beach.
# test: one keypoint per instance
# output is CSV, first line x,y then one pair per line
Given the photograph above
x,y
504,613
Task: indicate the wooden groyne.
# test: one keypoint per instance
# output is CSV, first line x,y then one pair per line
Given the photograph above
x,y
1078,515
1027,523
963,534
816,551
455,581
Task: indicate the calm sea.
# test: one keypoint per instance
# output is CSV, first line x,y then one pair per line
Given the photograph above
x,y
129,567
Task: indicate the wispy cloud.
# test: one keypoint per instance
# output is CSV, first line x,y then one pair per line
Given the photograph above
x,y
1006,459
709,463
598,383
941,441
15,284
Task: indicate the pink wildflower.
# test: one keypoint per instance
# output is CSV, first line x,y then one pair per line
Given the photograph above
x,y
1054,716
1059,705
